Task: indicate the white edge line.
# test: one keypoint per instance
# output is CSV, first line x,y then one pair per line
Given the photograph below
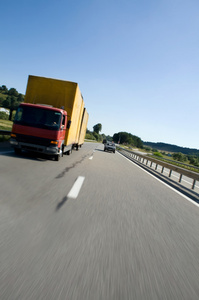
x,y
74,192
187,198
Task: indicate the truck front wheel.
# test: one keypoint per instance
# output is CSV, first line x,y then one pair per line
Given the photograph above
x,y
17,151
57,157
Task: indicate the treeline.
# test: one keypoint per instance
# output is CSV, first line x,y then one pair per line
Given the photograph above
x,y
92,135
129,139
191,159
171,148
10,99
123,138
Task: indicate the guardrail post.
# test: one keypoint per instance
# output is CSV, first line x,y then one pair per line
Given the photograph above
x,y
180,178
143,160
193,185
170,173
156,166
162,170
151,164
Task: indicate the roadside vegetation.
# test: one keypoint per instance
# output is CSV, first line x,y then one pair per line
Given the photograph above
x,y
10,99
122,138
5,125
95,134
187,161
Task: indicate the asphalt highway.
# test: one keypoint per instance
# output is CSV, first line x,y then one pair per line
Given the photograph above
x,y
93,226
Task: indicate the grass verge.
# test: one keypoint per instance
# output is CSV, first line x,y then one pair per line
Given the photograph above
x,y
5,125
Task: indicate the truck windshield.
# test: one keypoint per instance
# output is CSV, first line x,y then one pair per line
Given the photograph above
x,y
38,117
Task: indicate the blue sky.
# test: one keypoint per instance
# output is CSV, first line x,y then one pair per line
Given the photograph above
x,y
136,61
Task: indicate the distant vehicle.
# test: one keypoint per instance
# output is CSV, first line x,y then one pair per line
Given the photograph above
x,y
54,127
109,146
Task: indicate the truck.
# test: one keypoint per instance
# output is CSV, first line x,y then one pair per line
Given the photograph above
x,y
83,127
52,120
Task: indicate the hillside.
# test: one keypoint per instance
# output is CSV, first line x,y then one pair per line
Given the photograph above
x,y
171,148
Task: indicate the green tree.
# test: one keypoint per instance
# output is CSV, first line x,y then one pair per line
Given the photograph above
x,y
1,100
180,156
97,128
20,98
96,136
13,92
127,138
11,103
4,89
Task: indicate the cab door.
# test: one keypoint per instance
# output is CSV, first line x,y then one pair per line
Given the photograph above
x,y
63,128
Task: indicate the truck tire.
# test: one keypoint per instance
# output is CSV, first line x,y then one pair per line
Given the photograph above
x,y
69,151
57,157
17,151
62,148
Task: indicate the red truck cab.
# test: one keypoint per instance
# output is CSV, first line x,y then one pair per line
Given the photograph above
x,y
39,128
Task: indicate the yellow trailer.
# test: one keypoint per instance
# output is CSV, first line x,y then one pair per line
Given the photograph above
x,y
59,94
83,127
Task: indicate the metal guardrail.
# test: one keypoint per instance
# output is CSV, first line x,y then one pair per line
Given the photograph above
x,y
5,132
181,164
149,161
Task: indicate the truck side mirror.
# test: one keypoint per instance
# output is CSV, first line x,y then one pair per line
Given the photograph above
x,y
68,124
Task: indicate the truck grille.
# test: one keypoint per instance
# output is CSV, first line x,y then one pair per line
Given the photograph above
x,y
32,140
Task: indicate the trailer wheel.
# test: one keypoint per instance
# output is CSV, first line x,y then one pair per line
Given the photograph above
x,y
69,151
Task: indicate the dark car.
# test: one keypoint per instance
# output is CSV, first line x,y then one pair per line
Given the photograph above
x,y
109,146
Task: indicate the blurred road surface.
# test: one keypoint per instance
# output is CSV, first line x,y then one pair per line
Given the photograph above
x,y
93,226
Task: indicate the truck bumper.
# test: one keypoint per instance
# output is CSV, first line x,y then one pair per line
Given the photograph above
x,y
49,150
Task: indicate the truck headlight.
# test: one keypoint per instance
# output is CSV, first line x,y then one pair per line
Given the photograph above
x,y
13,142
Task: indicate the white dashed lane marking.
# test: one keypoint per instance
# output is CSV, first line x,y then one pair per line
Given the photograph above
x,y
91,157
74,192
